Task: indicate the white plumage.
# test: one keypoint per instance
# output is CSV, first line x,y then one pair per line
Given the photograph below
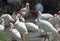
x,y
7,18
47,26
31,26
5,21
54,20
20,18
2,25
19,25
16,34
45,16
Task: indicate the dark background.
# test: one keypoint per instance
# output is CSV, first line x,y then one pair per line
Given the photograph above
x,y
50,6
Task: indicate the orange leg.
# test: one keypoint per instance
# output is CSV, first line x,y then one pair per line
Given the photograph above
x,y
22,37
46,37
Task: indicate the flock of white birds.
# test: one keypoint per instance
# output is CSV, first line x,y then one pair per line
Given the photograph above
x,y
17,29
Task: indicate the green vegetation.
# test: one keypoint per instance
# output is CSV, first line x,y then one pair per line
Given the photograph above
x,y
3,38
49,6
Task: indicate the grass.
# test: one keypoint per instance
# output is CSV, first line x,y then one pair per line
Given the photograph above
x,y
26,38
3,38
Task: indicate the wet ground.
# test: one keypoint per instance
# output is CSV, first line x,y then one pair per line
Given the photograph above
x,y
32,37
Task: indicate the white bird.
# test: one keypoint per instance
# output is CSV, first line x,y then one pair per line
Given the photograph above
x,y
7,22
20,25
55,20
15,34
31,26
18,14
28,24
45,16
41,32
5,31
58,38
2,26
44,34
20,17
7,17
46,26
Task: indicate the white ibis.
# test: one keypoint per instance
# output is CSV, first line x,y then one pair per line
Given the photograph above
x,y
21,18
31,26
55,20
8,19
28,24
2,26
15,34
19,15
7,24
41,32
46,26
20,25
58,38
45,16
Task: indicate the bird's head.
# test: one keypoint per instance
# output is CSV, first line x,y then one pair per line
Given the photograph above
x,y
39,13
14,21
35,21
55,15
17,12
58,13
35,12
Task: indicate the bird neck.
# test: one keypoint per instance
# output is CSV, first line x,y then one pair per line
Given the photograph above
x,y
39,13
15,17
38,18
